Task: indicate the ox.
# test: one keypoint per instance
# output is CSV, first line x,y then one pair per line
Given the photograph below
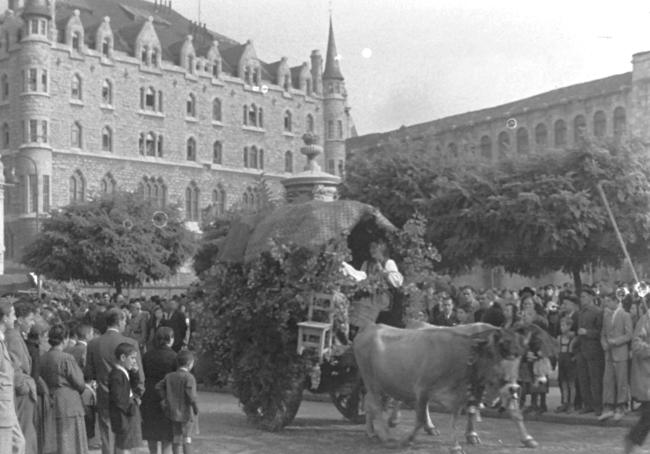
x,y
445,366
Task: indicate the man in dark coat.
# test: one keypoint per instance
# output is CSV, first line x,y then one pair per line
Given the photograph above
x,y
25,386
176,321
590,357
100,359
446,317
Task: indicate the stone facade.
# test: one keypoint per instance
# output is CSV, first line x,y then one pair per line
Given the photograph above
x,y
98,95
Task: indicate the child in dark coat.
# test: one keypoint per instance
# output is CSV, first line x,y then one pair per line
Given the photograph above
x,y
178,393
123,401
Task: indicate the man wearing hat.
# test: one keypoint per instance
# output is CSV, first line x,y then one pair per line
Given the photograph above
x,y
589,354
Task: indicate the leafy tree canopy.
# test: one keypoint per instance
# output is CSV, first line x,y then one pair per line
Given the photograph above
x,y
530,214
110,240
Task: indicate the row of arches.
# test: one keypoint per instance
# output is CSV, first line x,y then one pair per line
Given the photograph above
x,y
543,137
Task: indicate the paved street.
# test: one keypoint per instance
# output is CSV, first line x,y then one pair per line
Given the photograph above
x,y
319,429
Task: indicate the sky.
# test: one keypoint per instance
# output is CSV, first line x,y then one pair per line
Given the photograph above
x,y
411,61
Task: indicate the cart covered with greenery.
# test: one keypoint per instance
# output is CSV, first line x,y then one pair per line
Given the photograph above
x,y
261,294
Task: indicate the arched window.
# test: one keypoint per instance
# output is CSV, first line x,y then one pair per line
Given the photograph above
x,y
504,143
215,68
579,128
144,54
600,124
256,76
107,92
159,146
452,150
219,200
191,149
288,162
217,152
5,87
247,75
619,122
287,121
523,146
5,136
252,157
76,41
287,82
150,144
108,184
216,109
541,135
486,147
260,117
560,133
260,159
107,139
76,137
153,190
106,46
76,88
190,64
77,187
245,157
192,202
310,123
154,57
190,110
252,115
245,117
149,99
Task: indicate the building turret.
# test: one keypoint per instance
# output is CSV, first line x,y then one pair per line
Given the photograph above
x,y
335,111
30,157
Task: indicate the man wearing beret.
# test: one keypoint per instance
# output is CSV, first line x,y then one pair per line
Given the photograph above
x,y
589,355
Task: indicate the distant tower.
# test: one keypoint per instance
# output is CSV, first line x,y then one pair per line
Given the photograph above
x,y
335,111
32,153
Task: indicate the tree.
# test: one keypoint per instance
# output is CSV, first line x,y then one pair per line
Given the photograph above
x,y
530,214
120,239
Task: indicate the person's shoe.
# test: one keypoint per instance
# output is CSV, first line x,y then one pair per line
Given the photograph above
x,y
585,410
606,415
618,415
628,445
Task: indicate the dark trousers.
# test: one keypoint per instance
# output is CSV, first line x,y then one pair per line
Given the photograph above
x,y
639,432
590,377
89,418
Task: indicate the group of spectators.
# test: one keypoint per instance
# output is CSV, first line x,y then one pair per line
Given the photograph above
x,y
595,332
121,367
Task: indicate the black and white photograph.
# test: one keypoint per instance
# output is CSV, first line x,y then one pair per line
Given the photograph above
x,y
324,226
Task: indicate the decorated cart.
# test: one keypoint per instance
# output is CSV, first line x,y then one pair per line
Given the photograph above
x,y
280,313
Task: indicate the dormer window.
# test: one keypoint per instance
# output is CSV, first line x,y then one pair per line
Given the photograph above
x,y
76,41
215,68
154,57
106,47
247,75
256,76
287,82
144,54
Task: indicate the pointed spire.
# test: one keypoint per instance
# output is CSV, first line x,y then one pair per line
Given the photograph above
x,y
332,68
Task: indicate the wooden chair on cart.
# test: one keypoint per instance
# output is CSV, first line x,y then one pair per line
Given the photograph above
x,y
317,332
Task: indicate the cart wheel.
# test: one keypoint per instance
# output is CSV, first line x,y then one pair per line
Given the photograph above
x,y
280,412
349,399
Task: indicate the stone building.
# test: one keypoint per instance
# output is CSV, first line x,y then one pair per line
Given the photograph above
x,y
605,108
99,95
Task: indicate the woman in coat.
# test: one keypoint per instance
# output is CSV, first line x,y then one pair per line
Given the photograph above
x,y
640,382
157,363
65,381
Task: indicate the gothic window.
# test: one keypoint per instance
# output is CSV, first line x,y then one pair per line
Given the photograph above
x,y
108,184
504,143
310,123
287,82
192,202
252,115
159,145
107,92
76,88
32,79
287,121
452,150
339,129
33,131
219,200
217,151
600,124
260,117
190,64
541,135
5,136
560,133
486,147
247,75
76,137
288,162
144,54
77,187
154,57
106,46
523,146
76,41
245,155
5,87
579,128
256,76
619,122
191,149
44,81
216,109
107,139
148,99
245,118
154,190
215,68
252,158
190,109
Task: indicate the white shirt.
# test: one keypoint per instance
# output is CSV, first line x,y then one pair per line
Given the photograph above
x,y
117,366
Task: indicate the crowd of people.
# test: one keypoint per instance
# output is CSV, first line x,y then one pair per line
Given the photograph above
x,y
99,368
603,365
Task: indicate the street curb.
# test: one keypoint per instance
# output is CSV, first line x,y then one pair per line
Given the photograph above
x,y
570,419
